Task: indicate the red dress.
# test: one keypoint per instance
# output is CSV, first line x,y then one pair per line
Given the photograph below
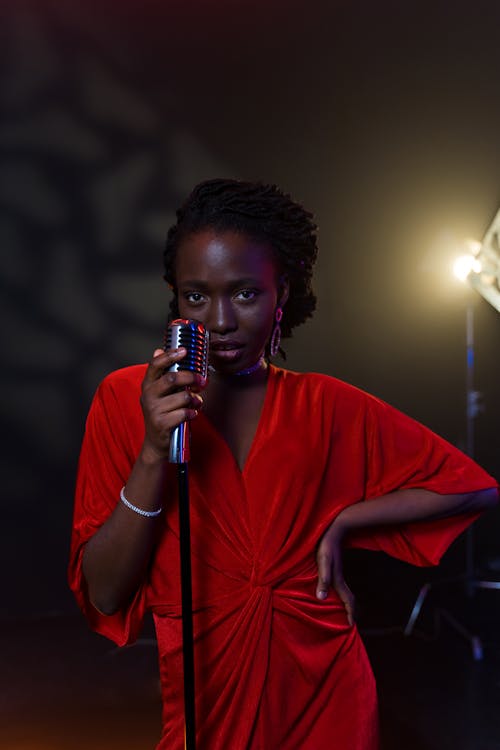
x,y
275,667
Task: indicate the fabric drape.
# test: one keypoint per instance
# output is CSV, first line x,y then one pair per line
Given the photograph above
x,y
275,667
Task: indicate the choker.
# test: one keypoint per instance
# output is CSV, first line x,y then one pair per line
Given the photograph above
x,y
247,371
253,368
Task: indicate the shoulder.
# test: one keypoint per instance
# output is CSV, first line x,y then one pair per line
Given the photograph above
x,y
125,377
340,402
321,385
121,385
117,400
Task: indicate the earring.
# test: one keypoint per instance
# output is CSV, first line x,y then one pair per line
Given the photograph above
x,y
276,337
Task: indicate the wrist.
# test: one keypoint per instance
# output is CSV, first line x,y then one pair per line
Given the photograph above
x,y
342,524
151,456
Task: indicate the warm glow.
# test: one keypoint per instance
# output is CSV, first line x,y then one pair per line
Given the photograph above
x,y
464,265
473,246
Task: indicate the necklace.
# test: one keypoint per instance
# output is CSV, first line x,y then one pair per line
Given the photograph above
x,y
247,371
253,368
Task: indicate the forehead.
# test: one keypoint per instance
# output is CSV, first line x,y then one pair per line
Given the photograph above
x,y
211,255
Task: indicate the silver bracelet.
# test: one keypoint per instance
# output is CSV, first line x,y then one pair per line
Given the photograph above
x,y
140,511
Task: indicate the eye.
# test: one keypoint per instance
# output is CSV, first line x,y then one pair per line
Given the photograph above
x,y
246,294
194,298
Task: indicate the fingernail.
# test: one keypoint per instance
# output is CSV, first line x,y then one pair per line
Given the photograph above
x,y
322,594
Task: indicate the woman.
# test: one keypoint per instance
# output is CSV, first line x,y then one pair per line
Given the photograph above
x,y
286,469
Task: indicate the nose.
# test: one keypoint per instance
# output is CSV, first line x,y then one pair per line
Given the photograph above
x,y
222,317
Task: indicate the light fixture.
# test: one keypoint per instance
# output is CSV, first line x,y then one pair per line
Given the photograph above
x,y
464,265
485,278
480,268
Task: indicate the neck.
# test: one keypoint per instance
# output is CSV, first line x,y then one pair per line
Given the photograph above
x,y
249,375
259,365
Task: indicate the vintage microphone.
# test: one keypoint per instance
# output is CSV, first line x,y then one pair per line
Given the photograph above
x,y
192,336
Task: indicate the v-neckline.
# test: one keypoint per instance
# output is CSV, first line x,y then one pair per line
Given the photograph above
x,y
264,408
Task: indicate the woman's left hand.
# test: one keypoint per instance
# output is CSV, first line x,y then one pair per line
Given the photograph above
x,y
398,507
330,568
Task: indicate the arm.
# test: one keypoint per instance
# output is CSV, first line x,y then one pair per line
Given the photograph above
x,y
115,559
401,506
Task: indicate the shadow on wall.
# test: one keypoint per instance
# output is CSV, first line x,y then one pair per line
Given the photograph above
x,y
90,176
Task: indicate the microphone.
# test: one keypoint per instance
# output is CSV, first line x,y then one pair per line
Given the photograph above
x,y
193,336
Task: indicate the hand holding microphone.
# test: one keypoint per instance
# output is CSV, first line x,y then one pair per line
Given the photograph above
x,y
170,388
194,337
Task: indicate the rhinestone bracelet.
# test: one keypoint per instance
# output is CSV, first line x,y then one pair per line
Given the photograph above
x,y
140,511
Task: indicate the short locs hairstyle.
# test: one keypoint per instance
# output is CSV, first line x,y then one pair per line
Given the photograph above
x,y
265,214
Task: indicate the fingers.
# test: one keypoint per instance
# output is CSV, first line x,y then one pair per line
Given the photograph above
x,y
165,406
168,398
158,371
324,560
181,400
347,597
163,360
330,574
349,602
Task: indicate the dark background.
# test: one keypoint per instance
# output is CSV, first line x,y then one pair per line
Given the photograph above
x,y
381,117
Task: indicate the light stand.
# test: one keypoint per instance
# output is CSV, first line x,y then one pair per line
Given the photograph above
x,y
481,269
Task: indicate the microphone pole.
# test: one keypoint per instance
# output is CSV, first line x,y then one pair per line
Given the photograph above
x,y
193,336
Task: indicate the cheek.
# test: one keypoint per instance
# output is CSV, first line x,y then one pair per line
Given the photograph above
x,y
187,311
260,319
180,307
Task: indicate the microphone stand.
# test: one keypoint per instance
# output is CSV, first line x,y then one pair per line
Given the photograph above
x,y
179,455
192,335
187,607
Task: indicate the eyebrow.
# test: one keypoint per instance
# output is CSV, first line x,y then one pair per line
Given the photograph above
x,y
246,281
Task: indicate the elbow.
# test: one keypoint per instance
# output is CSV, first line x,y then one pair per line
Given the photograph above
x,y
104,599
486,499
106,608
100,592
105,604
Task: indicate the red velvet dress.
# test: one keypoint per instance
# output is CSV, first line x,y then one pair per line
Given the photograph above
x,y
275,667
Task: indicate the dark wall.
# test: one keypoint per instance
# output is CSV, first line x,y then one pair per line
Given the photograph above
x,y
381,117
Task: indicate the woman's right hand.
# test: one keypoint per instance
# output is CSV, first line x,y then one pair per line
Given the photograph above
x,y
112,579
167,399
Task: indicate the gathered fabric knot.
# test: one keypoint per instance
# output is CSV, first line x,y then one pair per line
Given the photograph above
x,y
254,577
258,580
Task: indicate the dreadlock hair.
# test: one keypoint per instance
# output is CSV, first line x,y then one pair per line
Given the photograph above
x,y
265,214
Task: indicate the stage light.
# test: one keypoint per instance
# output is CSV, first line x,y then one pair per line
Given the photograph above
x,y
486,281
473,246
464,265
480,269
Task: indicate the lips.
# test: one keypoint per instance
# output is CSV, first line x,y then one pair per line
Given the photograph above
x,y
225,350
225,345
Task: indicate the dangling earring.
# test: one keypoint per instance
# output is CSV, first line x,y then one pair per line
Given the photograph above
x,y
276,337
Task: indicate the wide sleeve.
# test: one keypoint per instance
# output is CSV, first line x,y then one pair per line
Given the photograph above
x,y
106,459
401,453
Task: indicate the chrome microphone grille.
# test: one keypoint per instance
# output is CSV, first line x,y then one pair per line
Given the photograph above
x,y
193,336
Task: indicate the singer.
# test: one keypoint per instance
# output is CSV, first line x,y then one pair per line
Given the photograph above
x,y
286,470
